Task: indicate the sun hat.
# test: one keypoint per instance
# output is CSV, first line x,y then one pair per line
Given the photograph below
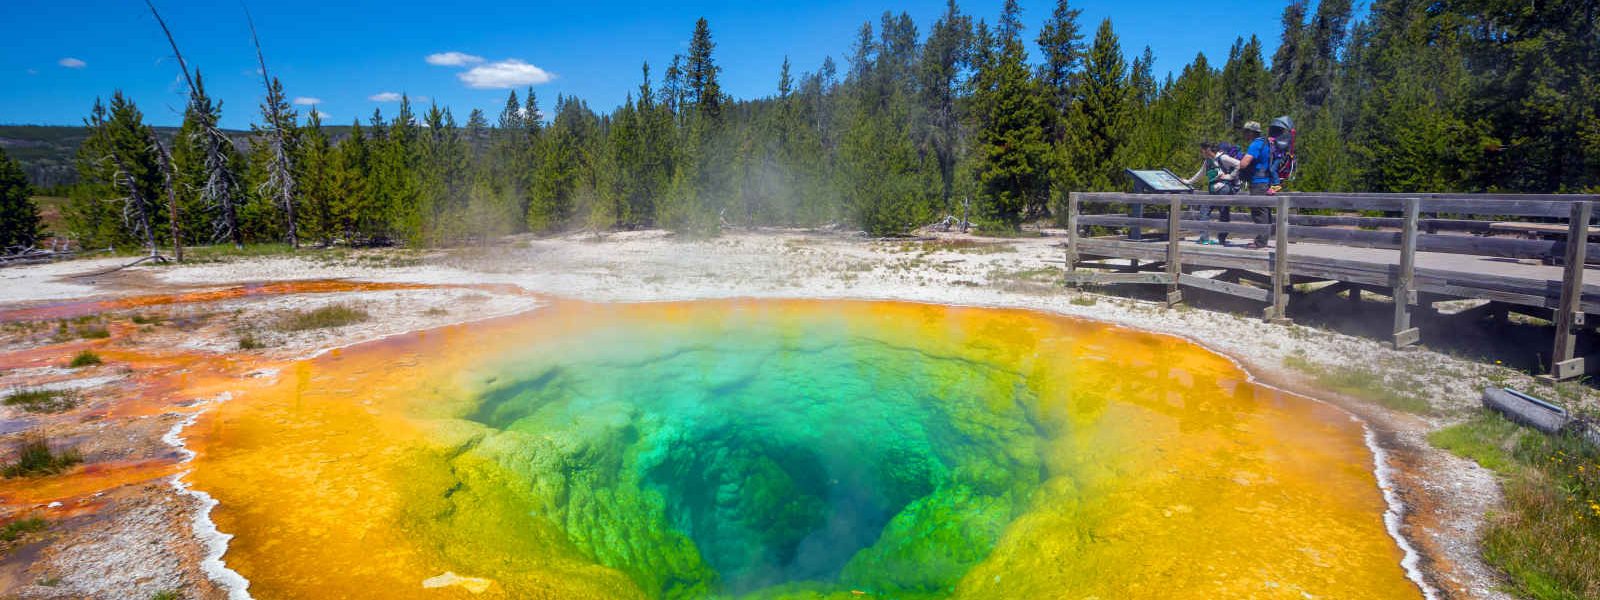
x,y
1253,126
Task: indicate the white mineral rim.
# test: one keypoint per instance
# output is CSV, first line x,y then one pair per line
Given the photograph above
x,y
214,540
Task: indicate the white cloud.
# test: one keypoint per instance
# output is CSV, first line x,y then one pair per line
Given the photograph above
x,y
322,115
453,59
505,74
33,71
307,101
395,97
72,63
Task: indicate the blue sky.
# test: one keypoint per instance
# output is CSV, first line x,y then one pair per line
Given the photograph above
x,y
59,55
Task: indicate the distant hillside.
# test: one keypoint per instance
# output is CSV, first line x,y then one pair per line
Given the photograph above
x,y
47,151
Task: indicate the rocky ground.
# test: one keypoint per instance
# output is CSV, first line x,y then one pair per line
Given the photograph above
x,y
122,530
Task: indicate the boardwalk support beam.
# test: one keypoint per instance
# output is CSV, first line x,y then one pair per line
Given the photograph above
x,y
1279,311
1569,317
1405,294
1174,240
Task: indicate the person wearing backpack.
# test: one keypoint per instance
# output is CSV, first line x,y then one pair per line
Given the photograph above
x,y
1259,173
1214,165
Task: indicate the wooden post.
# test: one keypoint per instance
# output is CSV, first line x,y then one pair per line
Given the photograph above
x,y
1136,233
1404,295
1174,239
1280,264
1072,233
1569,315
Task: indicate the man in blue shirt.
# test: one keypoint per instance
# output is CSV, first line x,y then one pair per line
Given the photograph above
x,y
1258,169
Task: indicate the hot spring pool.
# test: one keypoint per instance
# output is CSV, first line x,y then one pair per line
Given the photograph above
x,y
790,449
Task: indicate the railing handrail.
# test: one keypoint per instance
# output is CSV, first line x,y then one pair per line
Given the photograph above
x,y
1467,204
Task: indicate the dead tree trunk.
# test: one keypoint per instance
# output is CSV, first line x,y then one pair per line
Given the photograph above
x,y
282,172
219,179
169,179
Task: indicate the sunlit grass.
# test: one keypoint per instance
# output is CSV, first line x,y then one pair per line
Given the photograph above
x,y
324,317
1547,535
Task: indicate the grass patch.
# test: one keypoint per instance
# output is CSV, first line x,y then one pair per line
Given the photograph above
x,y
41,400
86,358
332,315
36,458
1396,392
143,319
1547,535
166,595
1083,300
436,312
248,341
14,530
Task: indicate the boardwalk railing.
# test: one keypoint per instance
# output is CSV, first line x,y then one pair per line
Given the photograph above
x,y
1412,223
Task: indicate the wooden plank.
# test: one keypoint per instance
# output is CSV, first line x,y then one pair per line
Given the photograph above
x,y
1232,289
1174,243
1093,278
1567,369
1404,334
1567,316
1280,262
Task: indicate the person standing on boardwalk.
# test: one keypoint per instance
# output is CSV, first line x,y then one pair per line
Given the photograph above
x,y
1214,165
1259,174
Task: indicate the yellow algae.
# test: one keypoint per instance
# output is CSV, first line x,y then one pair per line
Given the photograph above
x,y
791,449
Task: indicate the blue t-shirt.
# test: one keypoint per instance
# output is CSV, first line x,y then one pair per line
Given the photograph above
x,y
1261,170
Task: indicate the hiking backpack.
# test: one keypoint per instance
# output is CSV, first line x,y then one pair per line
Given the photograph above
x,y
1281,139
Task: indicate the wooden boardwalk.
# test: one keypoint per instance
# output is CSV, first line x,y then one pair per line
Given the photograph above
x,y
1423,260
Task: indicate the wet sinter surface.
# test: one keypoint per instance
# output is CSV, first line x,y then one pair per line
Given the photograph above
x,y
799,449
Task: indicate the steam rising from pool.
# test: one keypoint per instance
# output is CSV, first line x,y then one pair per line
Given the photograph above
x,y
771,449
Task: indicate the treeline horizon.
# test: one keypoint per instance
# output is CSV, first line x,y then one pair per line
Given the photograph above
x,y
913,126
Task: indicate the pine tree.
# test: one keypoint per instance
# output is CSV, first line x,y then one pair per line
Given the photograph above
x,y
351,202
314,180
705,94
117,160
945,55
19,216
1100,119
1012,152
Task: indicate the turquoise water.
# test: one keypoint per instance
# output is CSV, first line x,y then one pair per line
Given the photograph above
x,y
698,463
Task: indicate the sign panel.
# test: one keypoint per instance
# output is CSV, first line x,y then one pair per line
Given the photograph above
x,y
1160,181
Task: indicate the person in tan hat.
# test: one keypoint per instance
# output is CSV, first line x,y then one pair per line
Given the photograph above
x,y
1257,173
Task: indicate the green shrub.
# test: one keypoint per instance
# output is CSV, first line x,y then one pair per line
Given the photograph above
x,y
35,458
86,358
248,341
14,530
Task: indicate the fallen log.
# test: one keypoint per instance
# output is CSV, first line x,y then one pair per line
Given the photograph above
x,y
1538,414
